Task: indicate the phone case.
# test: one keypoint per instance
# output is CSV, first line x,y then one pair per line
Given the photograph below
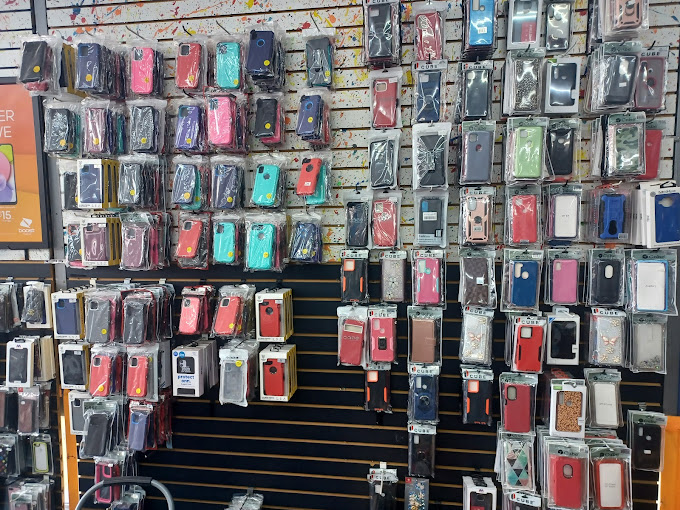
x,y
558,26
270,319
221,113
667,218
188,65
227,319
646,447
564,285
430,219
566,475
89,68
260,251
309,176
261,53
385,223
525,21
606,287
477,156
383,173
36,65
523,283
265,189
137,375
563,340
650,83
603,398
41,459
568,411
651,285
97,438
478,401
563,89
653,139
353,279
377,390
524,219
476,94
266,113
100,376
434,168
352,342
423,341
621,70
610,492
90,186
518,464
528,152
274,377
561,150
319,62
135,246
516,403
482,501
224,242
480,27
306,241
60,135
380,32
424,398
427,281
627,15
357,224
17,372
565,216
66,317
527,83
529,349
309,116
142,66
428,97
476,282
189,237
228,65
477,221
96,243
428,30
98,321
225,187
189,124
137,431
383,335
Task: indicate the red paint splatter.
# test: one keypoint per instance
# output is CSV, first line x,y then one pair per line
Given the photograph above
x,y
82,20
72,16
306,24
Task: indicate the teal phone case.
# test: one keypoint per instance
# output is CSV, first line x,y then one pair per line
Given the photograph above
x,y
319,196
224,242
528,152
266,185
260,246
196,204
228,65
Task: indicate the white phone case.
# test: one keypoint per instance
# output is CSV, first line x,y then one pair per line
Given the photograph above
x,y
650,286
606,405
649,346
609,490
565,216
40,459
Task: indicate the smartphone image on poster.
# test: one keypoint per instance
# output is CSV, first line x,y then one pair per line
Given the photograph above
x,y
8,189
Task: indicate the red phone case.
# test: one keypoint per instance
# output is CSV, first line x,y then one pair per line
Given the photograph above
x,y
653,139
188,66
524,224
227,319
385,223
309,176
100,376
274,377
529,349
270,319
600,483
190,315
565,481
517,412
429,35
352,342
189,235
382,339
384,103
138,371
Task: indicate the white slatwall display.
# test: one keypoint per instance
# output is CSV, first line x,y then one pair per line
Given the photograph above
x,y
15,22
350,120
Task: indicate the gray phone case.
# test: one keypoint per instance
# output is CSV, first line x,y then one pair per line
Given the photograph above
x,y
477,156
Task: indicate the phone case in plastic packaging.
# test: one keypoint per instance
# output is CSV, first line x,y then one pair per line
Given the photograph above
x,y
528,343
610,213
651,281
9,307
521,280
189,126
191,63
558,25
382,346
522,500
524,24
269,180
523,215
525,150
562,342
646,437
354,276
40,64
193,245
432,216
416,493
476,215
385,98
228,52
610,466
604,397
227,182
385,219
323,188
141,182
563,148
393,274
269,118
382,487
562,84
475,90
479,29
423,405
227,238
266,242
477,278
306,244
99,424
191,182
429,91
477,151
234,311
563,212
139,317
313,119
425,339
563,273
476,336
383,158
607,337
146,68
652,80
516,463
567,480
606,277
238,372
265,59
222,119
62,128
352,335
431,155
100,122
100,241
624,141
430,30
624,21
142,373
382,33
613,69
477,405
429,277
523,81
648,340
358,208
319,55
100,67
421,449
136,239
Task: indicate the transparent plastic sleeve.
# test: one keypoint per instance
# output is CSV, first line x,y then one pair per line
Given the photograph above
x,y
423,398
517,464
429,91
142,373
269,118
265,58
429,277
313,119
62,128
524,24
477,278
357,223
421,450
354,276
189,133
476,336
101,120
624,21
227,238
238,366
313,176
521,280
319,56
393,274
228,52
97,441
613,69
269,180
652,80
567,474
222,113
563,273
100,67
431,155
479,30
382,33
430,30
383,158
425,338
141,182
382,347
606,277
518,403
191,63
525,150
652,282
352,335
474,90
40,64
624,141
477,152
385,98
563,340
607,337
266,242
604,397
523,81
648,341
193,245
477,405
136,240
558,25
146,68
234,311
611,474
385,219
523,215
562,84
227,182
306,245
432,216
191,181
476,215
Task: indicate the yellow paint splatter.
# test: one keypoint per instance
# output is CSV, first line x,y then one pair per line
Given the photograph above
x,y
250,3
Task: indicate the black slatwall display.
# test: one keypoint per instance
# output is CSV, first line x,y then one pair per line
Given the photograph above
x,y
314,452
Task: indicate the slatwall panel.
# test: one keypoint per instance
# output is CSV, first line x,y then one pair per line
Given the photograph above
x,y
16,21
313,453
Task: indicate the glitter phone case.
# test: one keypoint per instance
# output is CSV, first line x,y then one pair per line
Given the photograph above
x,y
527,83
475,340
608,341
568,411
392,277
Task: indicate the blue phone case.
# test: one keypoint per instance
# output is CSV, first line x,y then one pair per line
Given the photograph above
x,y
137,431
306,243
266,185
90,188
228,65
523,293
428,100
261,244
667,218
309,116
260,60
66,319
89,67
188,132
224,242
425,399
612,216
481,23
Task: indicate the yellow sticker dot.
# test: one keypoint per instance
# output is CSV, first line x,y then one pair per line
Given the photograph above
x,y
189,250
267,125
327,73
95,141
269,195
265,255
104,331
238,363
62,142
138,391
235,81
231,325
188,140
230,253
197,199
101,388
191,78
304,251
88,77
239,328
36,69
132,192
267,62
144,139
230,199
187,194
80,252
310,119
146,79
77,199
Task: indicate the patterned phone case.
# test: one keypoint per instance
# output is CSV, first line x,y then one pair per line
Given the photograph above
x,y
518,470
569,405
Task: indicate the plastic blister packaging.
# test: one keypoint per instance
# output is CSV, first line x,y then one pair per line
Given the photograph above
x,y
525,150
648,340
430,30
606,277
425,338
646,437
518,402
607,337
141,182
382,488
477,395
69,186
423,398
319,56
525,19
393,274
521,279
604,397
40,64
269,118
139,317
516,463
613,69
474,90
100,241
227,238
146,68
563,146
238,372
352,335
354,276
266,242
382,347
421,449
357,223
479,29
136,241
229,53
265,59
476,215
101,121
306,244
432,216
651,283
567,474
477,152
99,424
478,278
623,21
562,84
385,98
9,307
431,155
652,81
234,311
416,493
191,182
313,119
227,182
558,25
429,91
269,181
563,337
624,141
62,128
36,311
523,215
383,158
191,63
523,81
610,466
193,245
382,33
142,373
476,336
563,212
655,214
610,213
563,273
385,219
429,277
528,343
189,125
19,370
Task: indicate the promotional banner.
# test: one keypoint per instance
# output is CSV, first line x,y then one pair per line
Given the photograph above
x,y
21,203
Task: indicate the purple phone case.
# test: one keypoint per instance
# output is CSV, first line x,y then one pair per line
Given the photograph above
x,y
95,243
309,115
188,132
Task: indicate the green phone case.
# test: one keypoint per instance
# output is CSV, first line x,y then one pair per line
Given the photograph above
x,y
260,246
228,65
265,189
528,152
319,196
224,242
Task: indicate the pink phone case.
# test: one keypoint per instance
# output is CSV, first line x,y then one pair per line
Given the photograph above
x,y
221,112
427,290
141,81
565,281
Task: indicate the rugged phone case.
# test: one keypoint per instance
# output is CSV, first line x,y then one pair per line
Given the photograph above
x,y
270,319
100,376
261,248
477,222
477,156
377,390
352,341
612,222
424,398
568,411
478,402
354,279
529,349
265,189
516,401
646,447
189,237
476,94
96,243
224,242
383,335
137,376
135,246
98,320
228,65
434,172
221,113
261,53
189,127
524,219
667,218
137,431
564,285
383,173
357,224
265,117
90,186
563,338
36,65
96,440
60,134
565,481
309,116
476,282
561,150
227,318
274,377
188,65
309,176
627,14
385,103
142,65
423,341
380,32
66,317
319,62
89,67
385,223
523,283
606,286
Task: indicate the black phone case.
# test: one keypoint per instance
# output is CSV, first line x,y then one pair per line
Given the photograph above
x,y
606,290
562,85
382,155
562,340
377,390
422,456
620,73
428,206
73,368
18,365
647,446
96,439
476,94
59,137
98,320
317,52
380,31
143,128
130,184
34,306
136,314
353,290
34,64
478,403
561,150
436,175
357,222
265,115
